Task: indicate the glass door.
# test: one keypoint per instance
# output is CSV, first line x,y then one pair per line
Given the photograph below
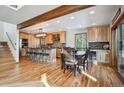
x,y
120,49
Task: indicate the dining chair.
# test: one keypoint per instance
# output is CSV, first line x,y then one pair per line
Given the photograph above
x,y
35,54
62,61
38,54
68,64
47,55
31,53
83,62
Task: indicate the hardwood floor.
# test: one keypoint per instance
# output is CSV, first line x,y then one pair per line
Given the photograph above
x,y
27,71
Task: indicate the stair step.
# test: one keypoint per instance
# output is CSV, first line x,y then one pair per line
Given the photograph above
x,y
6,56
5,53
5,64
6,59
3,43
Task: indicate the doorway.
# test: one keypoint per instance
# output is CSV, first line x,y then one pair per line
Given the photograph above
x,y
120,49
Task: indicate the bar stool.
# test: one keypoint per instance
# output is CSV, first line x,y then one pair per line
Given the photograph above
x,y
43,54
34,54
47,55
39,54
31,53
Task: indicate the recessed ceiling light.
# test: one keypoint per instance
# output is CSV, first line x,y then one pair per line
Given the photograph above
x,y
15,7
93,23
80,26
58,21
91,12
72,17
47,24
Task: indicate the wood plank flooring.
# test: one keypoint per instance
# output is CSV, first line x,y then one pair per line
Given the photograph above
x,y
28,71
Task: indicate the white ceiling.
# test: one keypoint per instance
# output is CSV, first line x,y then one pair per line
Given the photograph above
x,y
102,15
24,13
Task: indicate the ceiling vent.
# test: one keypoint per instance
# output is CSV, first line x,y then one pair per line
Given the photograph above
x,y
15,7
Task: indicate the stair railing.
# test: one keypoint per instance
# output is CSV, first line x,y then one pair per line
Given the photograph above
x,y
11,41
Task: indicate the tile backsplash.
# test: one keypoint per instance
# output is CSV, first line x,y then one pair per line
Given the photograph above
x,y
99,45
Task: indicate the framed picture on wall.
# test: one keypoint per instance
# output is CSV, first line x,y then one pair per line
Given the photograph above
x,y
81,41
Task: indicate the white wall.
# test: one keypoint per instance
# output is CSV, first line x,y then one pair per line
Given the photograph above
x,y
13,33
1,32
14,36
70,36
122,7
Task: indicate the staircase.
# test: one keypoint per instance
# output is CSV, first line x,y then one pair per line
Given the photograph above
x,y
5,55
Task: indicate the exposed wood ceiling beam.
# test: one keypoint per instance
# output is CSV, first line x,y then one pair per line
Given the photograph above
x,y
118,21
57,12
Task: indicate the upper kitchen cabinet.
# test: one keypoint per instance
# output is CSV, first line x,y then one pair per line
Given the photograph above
x,y
49,39
92,34
98,34
103,34
62,37
55,37
23,35
30,37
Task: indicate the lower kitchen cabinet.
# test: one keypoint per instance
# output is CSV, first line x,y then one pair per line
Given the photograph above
x,y
103,56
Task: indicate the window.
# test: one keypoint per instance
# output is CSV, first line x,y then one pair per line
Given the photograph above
x,y
81,41
43,42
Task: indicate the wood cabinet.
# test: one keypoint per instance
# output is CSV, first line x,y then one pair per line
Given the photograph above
x,y
23,35
98,34
23,51
32,40
103,56
49,39
58,53
103,34
92,34
62,37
